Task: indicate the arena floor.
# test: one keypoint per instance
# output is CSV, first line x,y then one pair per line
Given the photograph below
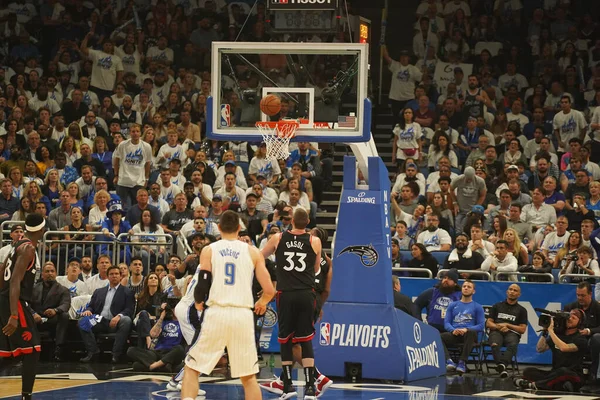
x,y
102,381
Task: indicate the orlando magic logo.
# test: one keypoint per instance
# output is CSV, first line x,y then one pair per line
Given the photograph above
x,y
367,254
407,134
105,62
403,76
134,157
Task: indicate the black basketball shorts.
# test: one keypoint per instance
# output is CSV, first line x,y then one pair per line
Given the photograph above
x,y
296,313
26,338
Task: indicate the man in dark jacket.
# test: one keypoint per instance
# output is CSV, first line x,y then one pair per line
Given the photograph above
x,y
591,324
437,299
112,309
462,258
401,301
50,304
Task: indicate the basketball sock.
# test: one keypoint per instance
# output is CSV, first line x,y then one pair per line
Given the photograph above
x,y
28,372
317,373
309,374
286,375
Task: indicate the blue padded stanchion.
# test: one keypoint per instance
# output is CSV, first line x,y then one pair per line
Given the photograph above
x,y
360,324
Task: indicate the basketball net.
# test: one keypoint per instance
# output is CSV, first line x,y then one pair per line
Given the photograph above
x,y
277,136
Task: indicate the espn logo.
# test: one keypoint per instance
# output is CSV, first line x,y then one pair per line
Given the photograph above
x,y
325,334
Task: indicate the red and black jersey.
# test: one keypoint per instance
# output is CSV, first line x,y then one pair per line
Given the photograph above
x,y
29,277
295,260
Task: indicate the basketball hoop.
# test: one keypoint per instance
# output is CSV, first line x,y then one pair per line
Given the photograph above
x,y
277,136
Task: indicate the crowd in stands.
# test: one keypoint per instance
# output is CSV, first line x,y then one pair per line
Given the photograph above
x,y
506,155
103,132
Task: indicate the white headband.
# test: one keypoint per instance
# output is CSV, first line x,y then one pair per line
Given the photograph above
x,y
35,228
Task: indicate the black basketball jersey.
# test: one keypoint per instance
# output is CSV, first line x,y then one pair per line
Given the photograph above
x,y
472,107
321,277
295,259
29,277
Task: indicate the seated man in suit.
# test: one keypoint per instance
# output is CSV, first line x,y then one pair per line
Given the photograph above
x,y
50,304
113,307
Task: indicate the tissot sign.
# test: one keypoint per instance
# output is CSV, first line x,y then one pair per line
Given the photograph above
x,y
302,4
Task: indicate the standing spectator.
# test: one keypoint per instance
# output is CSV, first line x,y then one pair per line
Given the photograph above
x,y
51,301
407,139
507,321
464,319
112,306
568,124
107,69
470,191
404,77
131,162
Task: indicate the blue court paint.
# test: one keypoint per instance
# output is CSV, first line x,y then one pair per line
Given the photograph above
x,y
153,391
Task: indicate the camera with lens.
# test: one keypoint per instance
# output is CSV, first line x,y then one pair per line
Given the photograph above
x,y
574,257
171,303
249,96
560,320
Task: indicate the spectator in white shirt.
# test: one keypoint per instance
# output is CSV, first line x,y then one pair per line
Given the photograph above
x,y
501,260
435,238
71,280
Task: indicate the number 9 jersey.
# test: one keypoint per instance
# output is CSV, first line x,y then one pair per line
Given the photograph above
x,y
233,273
295,260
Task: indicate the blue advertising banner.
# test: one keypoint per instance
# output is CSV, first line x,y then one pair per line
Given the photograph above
x,y
269,330
388,343
533,295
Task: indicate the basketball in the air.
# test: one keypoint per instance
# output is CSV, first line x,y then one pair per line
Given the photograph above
x,y
270,105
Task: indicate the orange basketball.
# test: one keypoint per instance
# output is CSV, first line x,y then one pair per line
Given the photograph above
x,y
270,104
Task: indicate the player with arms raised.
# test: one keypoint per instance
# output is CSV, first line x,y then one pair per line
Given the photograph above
x,y
227,268
19,333
298,257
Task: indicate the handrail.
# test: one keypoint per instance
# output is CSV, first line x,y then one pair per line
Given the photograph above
x,y
3,228
420,270
466,271
562,278
547,275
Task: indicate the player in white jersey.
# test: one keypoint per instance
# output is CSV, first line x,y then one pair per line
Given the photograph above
x,y
189,322
227,269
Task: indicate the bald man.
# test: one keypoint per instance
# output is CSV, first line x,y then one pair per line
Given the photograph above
x,y
506,321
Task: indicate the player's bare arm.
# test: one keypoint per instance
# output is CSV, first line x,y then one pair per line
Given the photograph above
x,y
271,245
328,278
264,279
25,256
204,279
316,245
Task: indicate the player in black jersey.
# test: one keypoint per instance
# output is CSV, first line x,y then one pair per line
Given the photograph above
x,y
20,336
298,256
322,287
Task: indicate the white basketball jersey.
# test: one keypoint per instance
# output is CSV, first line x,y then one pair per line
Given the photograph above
x,y
233,273
188,297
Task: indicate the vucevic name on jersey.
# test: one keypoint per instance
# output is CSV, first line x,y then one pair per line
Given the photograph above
x,y
29,277
295,259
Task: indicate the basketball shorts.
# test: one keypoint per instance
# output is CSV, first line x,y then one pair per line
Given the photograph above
x,y
296,315
189,321
230,327
26,338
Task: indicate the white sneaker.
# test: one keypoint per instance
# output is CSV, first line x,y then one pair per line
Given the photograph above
x,y
176,386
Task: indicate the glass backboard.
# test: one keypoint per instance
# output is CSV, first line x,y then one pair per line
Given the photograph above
x,y
323,86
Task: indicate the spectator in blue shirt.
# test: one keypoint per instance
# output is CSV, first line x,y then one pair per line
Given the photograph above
x,y
9,204
463,321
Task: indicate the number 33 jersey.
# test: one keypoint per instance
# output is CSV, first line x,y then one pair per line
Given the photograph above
x,y
233,273
295,260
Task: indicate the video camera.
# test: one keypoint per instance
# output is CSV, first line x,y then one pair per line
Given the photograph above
x,y
171,303
560,320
